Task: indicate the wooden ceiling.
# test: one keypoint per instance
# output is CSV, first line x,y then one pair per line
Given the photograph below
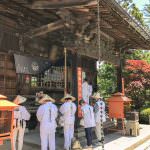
x,y
72,20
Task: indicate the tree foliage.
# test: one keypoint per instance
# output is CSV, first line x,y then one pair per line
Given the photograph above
x,y
147,13
139,55
107,79
132,9
137,79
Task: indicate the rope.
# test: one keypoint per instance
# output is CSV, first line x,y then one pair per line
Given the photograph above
x,y
99,54
102,133
98,30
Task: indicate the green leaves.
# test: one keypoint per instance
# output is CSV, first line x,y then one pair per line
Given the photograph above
x,y
107,81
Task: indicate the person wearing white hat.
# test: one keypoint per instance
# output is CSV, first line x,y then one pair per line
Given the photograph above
x,y
100,117
47,114
68,110
21,115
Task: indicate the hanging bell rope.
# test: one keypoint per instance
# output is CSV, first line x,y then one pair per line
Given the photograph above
x,y
98,30
65,61
99,59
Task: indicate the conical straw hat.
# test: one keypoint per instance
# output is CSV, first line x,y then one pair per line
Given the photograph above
x,y
68,96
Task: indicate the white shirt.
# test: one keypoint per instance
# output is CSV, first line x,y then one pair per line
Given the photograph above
x,y
88,116
85,91
21,114
47,114
90,90
99,111
68,110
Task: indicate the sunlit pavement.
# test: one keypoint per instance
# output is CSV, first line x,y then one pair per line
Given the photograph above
x,y
114,141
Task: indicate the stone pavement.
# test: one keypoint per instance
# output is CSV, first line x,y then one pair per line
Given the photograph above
x,y
145,146
114,141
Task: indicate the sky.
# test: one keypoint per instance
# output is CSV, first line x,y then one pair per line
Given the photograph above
x,y
140,3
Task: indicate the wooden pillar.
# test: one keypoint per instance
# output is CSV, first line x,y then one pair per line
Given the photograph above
x,y
74,75
119,76
76,62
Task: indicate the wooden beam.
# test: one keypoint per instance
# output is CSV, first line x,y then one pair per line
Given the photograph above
x,y
54,4
45,29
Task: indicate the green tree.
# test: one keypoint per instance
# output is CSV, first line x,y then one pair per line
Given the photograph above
x,y
107,81
132,9
139,55
147,13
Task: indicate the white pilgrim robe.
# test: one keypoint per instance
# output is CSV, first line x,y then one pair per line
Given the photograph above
x,y
100,117
88,116
85,92
47,114
20,116
68,110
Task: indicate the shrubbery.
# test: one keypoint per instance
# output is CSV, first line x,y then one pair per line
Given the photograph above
x,y
144,115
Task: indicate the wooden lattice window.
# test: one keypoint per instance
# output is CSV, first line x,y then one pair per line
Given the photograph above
x,y
5,121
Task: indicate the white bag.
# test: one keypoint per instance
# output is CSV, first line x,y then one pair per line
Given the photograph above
x,y
82,122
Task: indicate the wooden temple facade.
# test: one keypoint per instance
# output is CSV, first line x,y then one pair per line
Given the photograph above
x,y
41,29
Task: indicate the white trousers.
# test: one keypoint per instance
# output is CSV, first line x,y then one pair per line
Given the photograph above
x,y
98,131
68,135
20,132
47,140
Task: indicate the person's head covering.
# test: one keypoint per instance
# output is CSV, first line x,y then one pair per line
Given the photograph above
x,y
19,99
96,96
46,98
68,96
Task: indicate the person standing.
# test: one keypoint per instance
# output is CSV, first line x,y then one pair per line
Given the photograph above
x,y
47,114
89,121
90,89
68,110
100,117
21,115
85,91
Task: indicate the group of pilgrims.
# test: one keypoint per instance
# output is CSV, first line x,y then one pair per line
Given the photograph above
x,y
93,116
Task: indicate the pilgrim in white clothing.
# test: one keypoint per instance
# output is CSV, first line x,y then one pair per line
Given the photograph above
x,y
89,120
85,91
99,113
68,110
47,114
21,115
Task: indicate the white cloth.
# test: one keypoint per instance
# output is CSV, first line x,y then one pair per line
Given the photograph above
x,y
88,116
85,92
68,110
47,114
90,90
99,111
98,131
68,135
20,117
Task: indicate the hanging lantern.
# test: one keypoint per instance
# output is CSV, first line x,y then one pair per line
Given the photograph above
x,y
6,119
